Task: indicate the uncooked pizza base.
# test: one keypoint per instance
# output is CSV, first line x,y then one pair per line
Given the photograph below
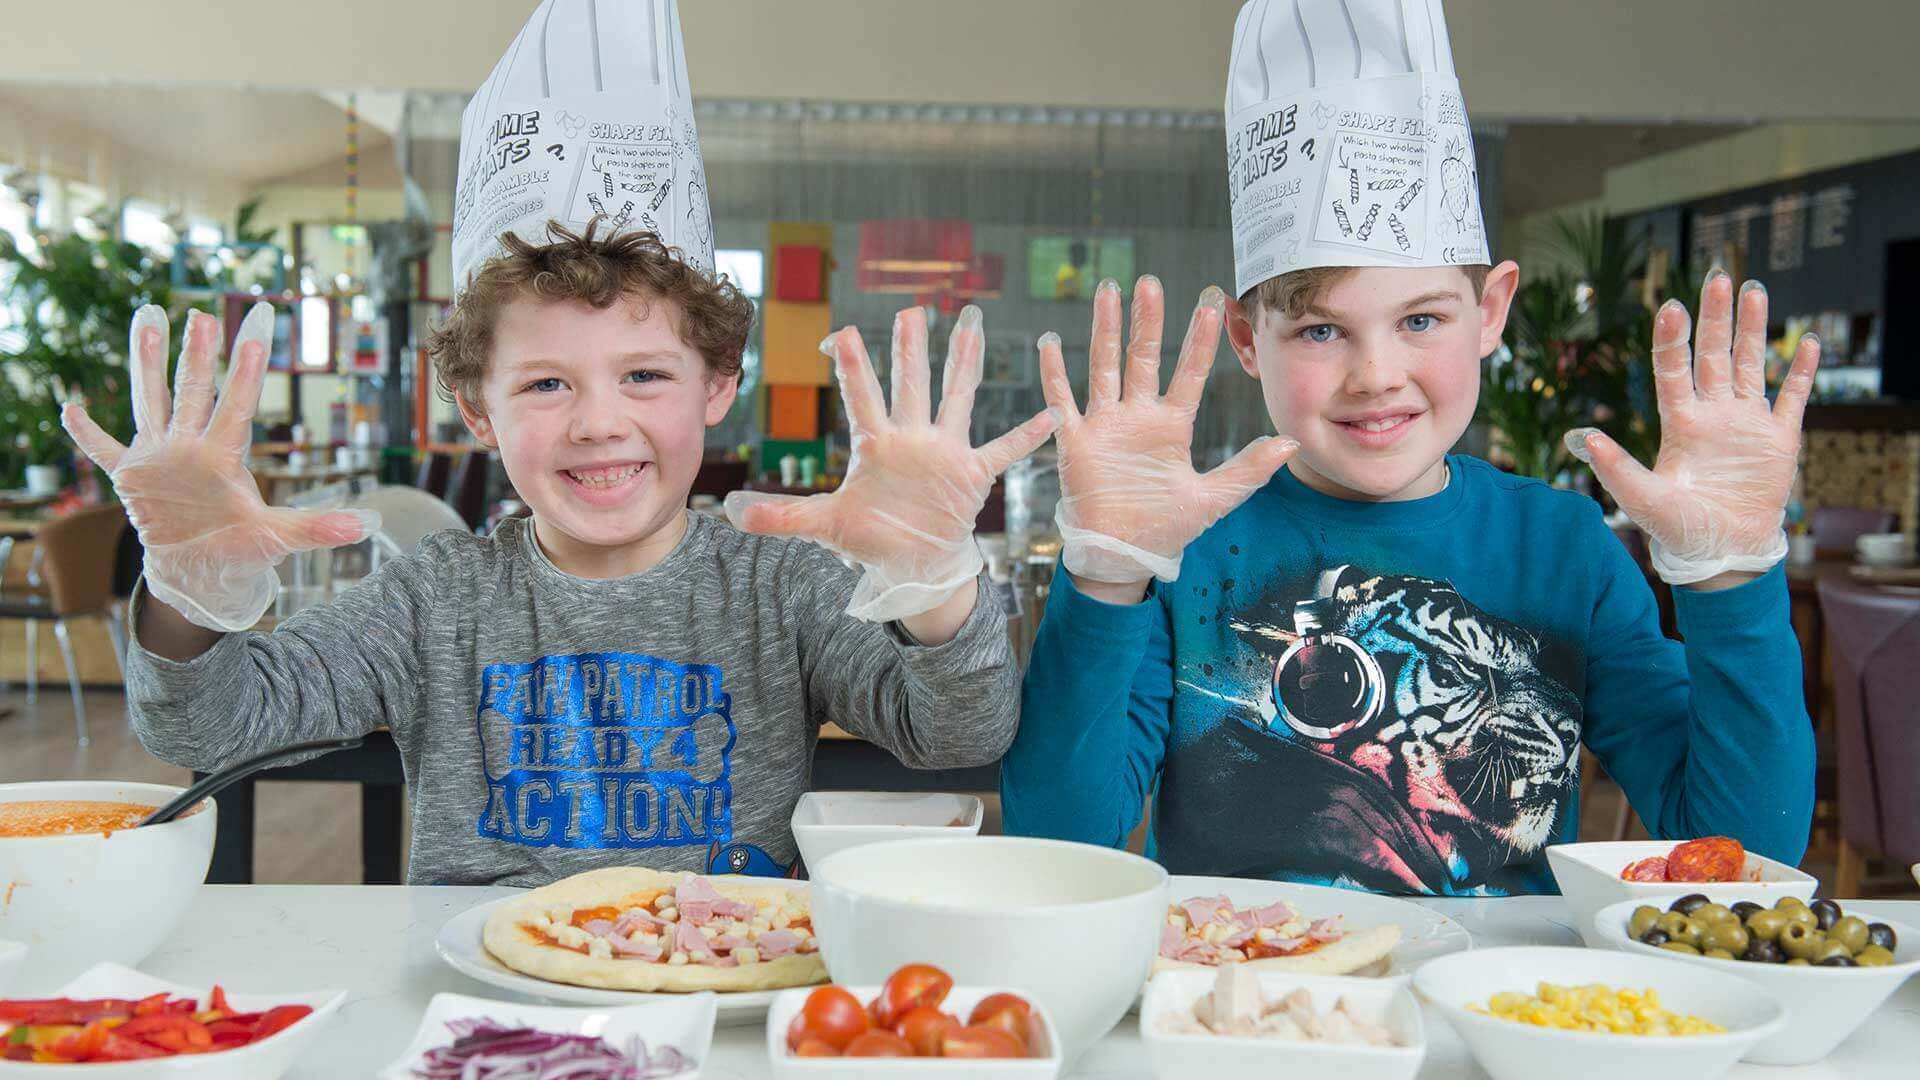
x,y
520,947
1343,957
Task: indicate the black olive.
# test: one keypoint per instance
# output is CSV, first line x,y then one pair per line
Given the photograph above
x,y
1882,935
1827,912
1763,951
1655,937
1838,961
1689,904
1745,908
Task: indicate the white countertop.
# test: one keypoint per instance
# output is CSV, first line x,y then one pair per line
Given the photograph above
x,y
378,942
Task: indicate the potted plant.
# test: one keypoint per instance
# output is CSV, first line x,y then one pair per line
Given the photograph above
x,y
41,445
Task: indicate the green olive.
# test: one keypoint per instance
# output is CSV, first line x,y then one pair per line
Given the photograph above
x,y
1714,914
1789,903
1693,932
1799,961
1831,949
1681,947
1728,937
1803,916
1801,941
1873,956
1851,931
1766,925
1718,954
1645,916
1671,922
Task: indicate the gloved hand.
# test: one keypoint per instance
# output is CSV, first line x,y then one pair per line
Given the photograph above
x,y
1130,500
905,512
211,542
1717,494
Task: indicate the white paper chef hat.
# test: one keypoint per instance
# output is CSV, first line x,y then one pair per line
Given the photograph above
x,y
1347,140
588,114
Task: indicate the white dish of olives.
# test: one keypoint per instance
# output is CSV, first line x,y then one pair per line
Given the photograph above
x,y
1828,968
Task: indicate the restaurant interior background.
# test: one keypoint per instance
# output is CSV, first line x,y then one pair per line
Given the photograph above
x,y
862,159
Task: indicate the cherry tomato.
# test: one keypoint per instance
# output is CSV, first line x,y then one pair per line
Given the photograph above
x,y
879,1044
831,1015
981,1041
924,1028
1009,1012
811,1047
909,988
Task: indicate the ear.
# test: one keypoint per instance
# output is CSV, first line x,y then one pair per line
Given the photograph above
x,y
720,395
476,421
1240,331
1496,299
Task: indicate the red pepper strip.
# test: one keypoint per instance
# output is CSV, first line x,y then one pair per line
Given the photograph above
x,y
280,1018
169,1031
228,1033
82,1045
120,1048
218,1002
153,1004
64,1011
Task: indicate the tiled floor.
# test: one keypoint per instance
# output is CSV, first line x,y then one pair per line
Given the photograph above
x,y
309,833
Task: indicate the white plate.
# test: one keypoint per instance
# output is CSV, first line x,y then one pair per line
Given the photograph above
x,y
1424,933
686,1024
264,1060
460,946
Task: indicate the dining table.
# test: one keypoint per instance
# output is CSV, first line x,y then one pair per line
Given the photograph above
x,y
378,943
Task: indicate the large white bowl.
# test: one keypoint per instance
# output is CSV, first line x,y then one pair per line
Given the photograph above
x,y
267,1059
79,900
827,821
1589,877
1510,1050
1825,1005
685,1024
12,953
1045,1065
1220,1057
1072,926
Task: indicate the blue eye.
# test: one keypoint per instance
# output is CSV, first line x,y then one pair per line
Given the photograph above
x,y
644,376
1420,324
1320,334
543,386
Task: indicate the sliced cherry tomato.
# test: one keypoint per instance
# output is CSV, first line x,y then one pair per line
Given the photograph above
x,y
1009,1012
980,1041
879,1044
924,1028
909,988
831,1015
280,1018
811,1047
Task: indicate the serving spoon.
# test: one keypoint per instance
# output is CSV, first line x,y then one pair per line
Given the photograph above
x,y
221,780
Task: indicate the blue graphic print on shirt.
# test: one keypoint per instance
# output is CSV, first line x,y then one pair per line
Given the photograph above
x,y
606,750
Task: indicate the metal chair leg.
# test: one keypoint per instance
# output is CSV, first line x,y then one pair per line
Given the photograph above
x,y
33,662
117,631
73,680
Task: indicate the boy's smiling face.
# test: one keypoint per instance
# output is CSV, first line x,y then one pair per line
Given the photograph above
x,y
1379,377
600,417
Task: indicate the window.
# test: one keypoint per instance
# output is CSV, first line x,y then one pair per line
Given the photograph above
x,y
742,266
144,224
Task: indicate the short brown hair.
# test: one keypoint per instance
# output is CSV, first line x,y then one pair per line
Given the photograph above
x,y
714,316
1291,294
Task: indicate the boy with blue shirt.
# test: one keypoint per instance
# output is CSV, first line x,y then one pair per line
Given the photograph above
x,y
1375,666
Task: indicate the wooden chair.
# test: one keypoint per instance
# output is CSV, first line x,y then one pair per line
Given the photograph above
x,y
77,564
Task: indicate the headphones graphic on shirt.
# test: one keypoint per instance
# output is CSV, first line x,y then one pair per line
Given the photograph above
x,y
1325,685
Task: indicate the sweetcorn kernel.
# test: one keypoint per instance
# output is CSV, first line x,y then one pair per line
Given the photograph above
x,y
1594,1008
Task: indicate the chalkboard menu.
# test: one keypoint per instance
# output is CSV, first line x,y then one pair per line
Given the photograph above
x,y
1819,241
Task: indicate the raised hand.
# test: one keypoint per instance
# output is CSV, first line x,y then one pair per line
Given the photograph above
x,y
211,541
1130,499
915,484
1715,498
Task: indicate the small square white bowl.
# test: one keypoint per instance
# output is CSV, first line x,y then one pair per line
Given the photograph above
x,y
686,1024
1221,1057
1589,877
828,821
267,1059
960,1001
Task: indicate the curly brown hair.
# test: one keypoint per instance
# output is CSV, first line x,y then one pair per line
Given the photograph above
x,y
711,315
1292,293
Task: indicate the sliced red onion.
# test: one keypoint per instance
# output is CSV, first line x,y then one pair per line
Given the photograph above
x,y
483,1050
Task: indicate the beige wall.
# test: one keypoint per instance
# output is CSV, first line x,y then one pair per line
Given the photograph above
x,y
1618,60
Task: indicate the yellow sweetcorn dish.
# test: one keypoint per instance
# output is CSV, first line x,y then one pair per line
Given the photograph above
x,y
1595,1008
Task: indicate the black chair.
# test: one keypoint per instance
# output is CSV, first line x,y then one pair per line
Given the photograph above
x,y
436,470
468,494
375,766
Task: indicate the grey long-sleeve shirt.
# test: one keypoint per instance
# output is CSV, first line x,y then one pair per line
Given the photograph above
x,y
550,724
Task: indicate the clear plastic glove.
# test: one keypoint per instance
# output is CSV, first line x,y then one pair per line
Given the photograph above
x,y
1716,497
1130,500
905,512
211,542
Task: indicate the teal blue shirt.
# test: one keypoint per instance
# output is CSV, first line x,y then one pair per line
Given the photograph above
x,y
1393,696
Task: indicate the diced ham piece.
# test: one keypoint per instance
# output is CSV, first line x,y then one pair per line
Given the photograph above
x,y
1324,930
1175,945
597,927
727,942
1274,914
646,948
636,919
777,943
1202,910
699,901
688,939
1287,944
1237,938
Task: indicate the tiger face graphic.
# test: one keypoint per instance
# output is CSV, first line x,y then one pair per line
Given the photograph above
x,y
1443,705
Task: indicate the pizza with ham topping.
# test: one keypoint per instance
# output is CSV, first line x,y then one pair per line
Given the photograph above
x,y
634,929
1208,931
